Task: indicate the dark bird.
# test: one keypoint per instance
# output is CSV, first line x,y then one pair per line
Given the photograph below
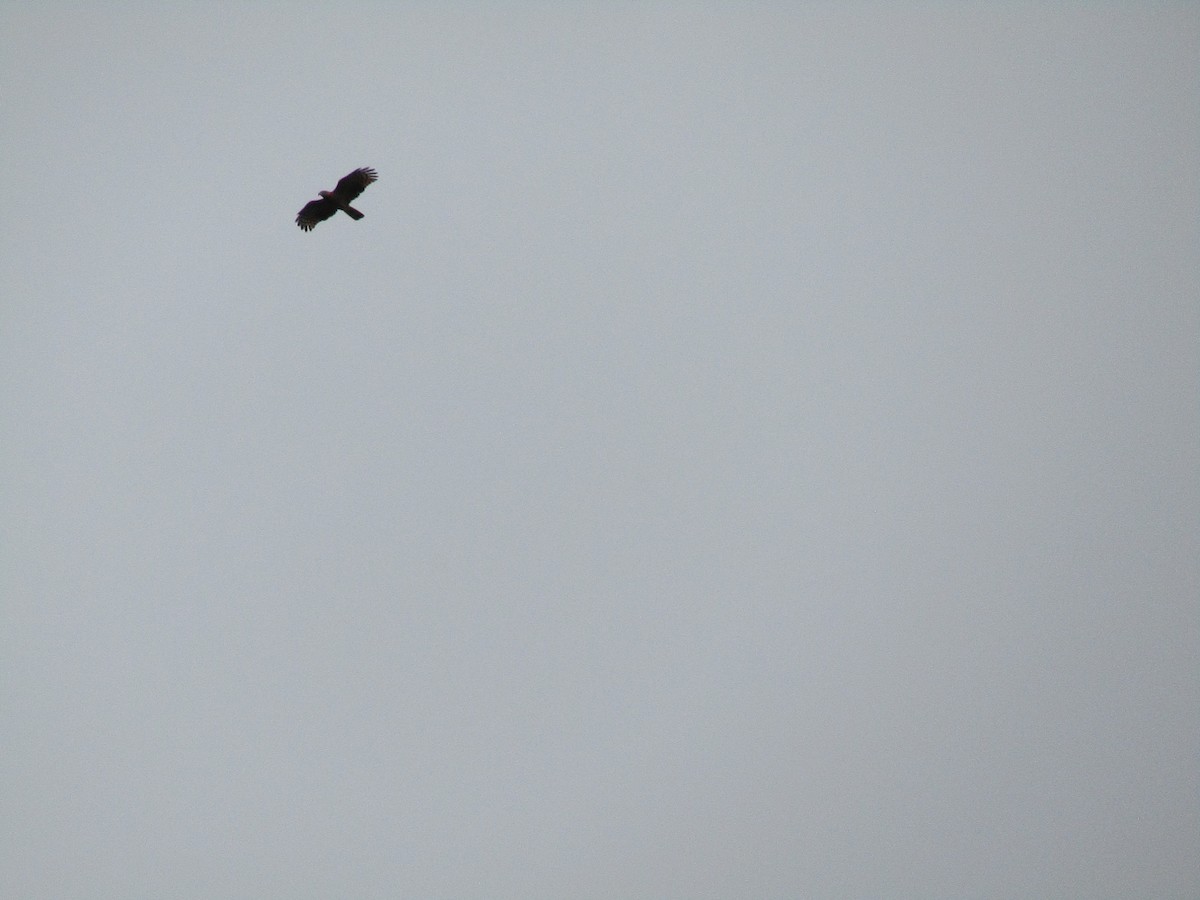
x,y
339,198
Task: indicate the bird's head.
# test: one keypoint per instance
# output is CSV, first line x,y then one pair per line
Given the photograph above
x,y
325,194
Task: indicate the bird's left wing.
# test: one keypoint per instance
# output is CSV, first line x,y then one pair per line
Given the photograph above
x,y
355,183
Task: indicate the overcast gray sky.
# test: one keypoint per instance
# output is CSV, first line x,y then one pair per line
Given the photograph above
x,y
746,451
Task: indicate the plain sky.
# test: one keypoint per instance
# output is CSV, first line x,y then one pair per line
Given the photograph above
x,y
746,451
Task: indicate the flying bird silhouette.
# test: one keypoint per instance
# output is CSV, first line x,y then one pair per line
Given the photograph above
x,y
339,198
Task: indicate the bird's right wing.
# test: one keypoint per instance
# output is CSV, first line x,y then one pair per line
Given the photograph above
x,y
315,211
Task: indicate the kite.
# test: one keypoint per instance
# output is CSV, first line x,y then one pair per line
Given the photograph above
x,y
339,198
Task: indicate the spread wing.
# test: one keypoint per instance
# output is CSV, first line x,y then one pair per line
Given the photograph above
x,y
354,184
315,211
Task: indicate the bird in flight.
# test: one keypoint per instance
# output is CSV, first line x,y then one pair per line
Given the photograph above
x,y
339,198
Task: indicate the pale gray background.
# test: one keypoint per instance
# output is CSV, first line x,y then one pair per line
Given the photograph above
x,y
744,452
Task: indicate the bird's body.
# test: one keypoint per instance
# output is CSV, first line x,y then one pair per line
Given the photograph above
x,y
339,198
341,204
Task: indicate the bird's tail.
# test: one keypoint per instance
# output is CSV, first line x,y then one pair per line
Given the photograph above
x,y
353,213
